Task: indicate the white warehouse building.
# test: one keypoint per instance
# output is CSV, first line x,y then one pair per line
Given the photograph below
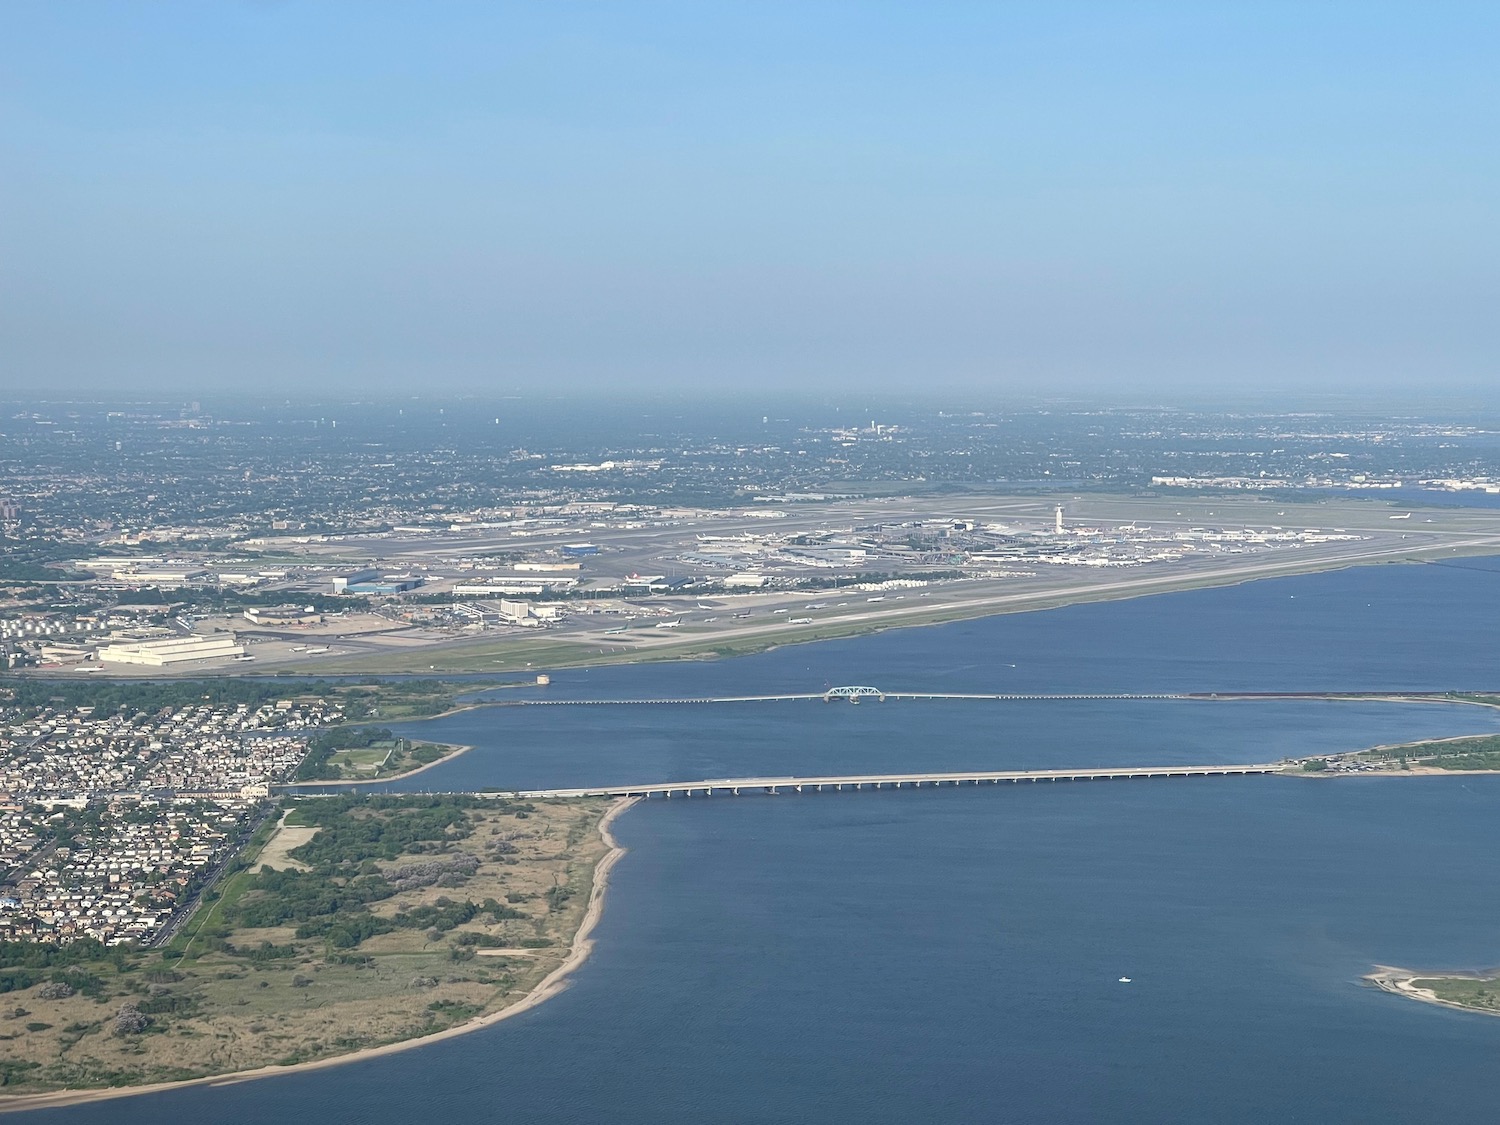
x,y
175,650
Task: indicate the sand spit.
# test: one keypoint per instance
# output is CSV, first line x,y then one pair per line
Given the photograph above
x,y
1402,982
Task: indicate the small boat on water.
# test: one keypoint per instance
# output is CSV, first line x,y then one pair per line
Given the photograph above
x,y
1124,980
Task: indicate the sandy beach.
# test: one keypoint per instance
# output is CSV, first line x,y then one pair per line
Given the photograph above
x,y
1402,982
554,983
1414,771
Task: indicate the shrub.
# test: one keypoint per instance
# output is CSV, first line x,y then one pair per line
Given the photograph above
x,y
130,1020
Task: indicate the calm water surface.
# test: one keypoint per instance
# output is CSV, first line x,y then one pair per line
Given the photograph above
x,y
1368,629
555,747
953,955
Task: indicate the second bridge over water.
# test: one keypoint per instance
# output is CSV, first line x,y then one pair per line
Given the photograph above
x,y
739,786
854,693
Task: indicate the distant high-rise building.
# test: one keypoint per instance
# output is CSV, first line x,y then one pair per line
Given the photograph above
x,y
1058,527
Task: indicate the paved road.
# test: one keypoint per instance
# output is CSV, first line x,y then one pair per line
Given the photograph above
x,y
736,785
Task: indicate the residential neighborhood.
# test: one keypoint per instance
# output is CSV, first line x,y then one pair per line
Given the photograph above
x,y
110,822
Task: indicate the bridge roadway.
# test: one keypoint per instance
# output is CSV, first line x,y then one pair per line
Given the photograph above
x,y
738,786
855,694
826,696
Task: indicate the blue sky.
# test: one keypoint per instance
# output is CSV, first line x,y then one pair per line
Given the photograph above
x,y
1006,197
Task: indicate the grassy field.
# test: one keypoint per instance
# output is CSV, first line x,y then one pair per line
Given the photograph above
x,y
362,752
1476,752
209,914
363,761
463,908
402,699
1471,992
388,758
521,654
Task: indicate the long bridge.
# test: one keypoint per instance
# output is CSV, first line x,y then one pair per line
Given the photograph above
x,y
855,693
851,694
740,786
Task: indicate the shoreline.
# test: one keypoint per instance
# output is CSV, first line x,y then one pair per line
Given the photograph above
x,y
581,653
710,647
1402,982
456,710
1411,770
1415,771
549,986
459,750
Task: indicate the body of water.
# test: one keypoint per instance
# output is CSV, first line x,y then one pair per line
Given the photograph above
x,y
954,955
1375,628
559,747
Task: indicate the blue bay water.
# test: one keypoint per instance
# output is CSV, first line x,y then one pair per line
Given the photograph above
x,y
557,747
953,955
1375,628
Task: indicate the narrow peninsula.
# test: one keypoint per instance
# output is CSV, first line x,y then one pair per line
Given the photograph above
x,y
1469,992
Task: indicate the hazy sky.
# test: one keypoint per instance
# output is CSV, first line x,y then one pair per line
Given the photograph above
x,y
999,195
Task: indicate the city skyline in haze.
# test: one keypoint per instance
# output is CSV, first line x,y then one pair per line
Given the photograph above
x,y
1147,198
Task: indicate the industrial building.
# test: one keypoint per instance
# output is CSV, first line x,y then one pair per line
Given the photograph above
x,y
391,584
654,584
166,575
64,653
283,615
528,613
174,650
342,582
518,584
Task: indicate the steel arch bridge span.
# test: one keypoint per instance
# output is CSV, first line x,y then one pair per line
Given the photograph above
x,y
853,694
